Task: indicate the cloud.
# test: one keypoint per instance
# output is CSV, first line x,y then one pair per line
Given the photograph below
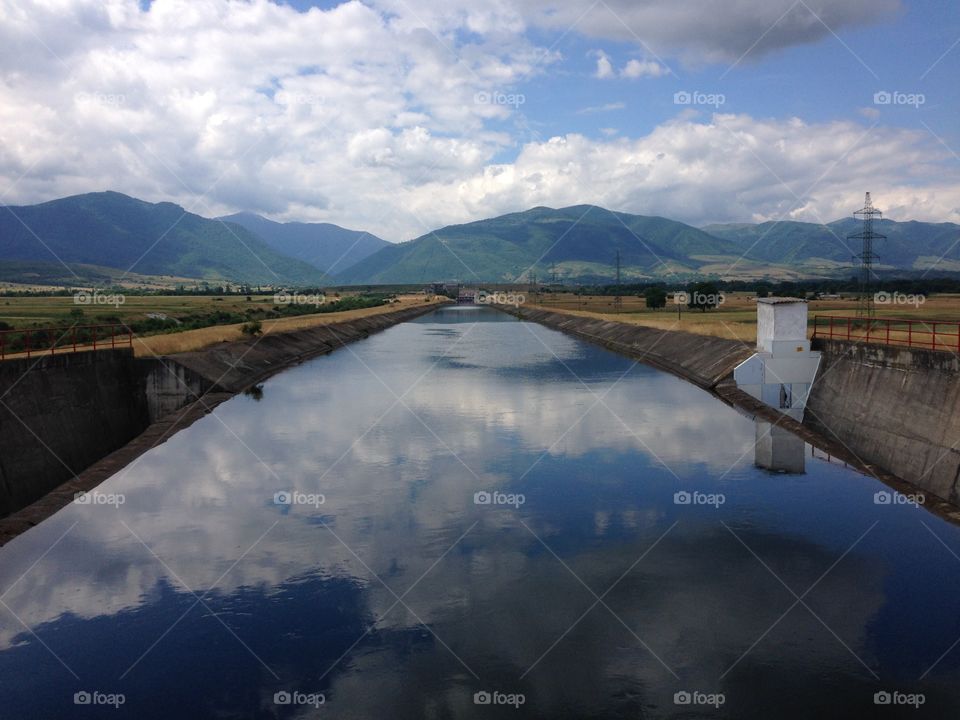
x,y
711,31
604,66
643,68
364,116
609,107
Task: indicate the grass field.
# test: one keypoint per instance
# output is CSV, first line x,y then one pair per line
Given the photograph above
x,y
736,318
28,312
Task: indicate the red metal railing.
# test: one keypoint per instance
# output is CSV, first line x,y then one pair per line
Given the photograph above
x,y
30,341
932,334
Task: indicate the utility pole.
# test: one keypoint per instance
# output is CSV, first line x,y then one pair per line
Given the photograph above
x,y
618,301
865,309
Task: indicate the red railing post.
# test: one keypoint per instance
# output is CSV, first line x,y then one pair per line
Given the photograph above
x,y
849,324
73,333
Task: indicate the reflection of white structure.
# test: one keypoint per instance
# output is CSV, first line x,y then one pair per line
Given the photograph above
x,y
778,449
782,370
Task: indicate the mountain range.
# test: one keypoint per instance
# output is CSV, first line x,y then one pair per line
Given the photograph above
x,y
110,234
327,247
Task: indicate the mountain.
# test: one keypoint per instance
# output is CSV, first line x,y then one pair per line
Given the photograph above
x,y
909,245
112,230
327,247
579,241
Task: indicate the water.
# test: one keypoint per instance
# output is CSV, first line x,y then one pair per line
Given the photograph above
x,y
583,589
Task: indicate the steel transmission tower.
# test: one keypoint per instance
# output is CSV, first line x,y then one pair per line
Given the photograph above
x,y
618,301
868,213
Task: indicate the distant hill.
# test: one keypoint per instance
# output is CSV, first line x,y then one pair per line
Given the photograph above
x,y
578,241
327,247
909,245
112,230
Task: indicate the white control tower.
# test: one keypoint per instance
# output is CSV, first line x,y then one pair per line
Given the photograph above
x,y
783,369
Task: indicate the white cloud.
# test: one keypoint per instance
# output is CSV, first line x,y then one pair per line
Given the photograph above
x,y
643,68
604,66
609,107
364,117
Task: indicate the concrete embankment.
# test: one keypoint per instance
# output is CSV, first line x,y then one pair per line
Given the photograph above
x,y
896,407
68,422
702,360
888,412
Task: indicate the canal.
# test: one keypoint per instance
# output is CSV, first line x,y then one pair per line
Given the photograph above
x,y
467,516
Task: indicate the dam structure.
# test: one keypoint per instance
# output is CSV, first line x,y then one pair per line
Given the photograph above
x,y
782,371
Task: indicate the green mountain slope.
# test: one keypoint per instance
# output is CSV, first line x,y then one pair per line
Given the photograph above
x,y
909,245
326,246
113,230
509,247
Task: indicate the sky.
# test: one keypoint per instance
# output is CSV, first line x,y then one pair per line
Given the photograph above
x,y
401,116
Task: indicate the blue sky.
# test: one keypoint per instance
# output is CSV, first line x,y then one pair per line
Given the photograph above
x,y
399,117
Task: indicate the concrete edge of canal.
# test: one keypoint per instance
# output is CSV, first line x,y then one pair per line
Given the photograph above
x,y
888,412
70,421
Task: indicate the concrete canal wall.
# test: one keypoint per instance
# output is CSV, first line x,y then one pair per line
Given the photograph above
x,y
896,407
68,422
891,412
702,360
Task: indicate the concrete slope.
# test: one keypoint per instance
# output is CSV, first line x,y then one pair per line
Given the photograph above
x,y
701,359
895,407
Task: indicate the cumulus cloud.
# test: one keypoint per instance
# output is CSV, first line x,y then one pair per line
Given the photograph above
x,y
371,117
708,30
604,66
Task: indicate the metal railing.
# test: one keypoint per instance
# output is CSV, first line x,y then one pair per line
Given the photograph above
x,y
33,341
930,334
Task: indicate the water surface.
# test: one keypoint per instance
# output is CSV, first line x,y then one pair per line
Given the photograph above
x,y
592,590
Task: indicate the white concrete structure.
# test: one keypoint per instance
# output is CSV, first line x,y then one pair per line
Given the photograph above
x,y
783,369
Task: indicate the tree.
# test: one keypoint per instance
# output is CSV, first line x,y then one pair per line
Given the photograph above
x,y
704,296
656,297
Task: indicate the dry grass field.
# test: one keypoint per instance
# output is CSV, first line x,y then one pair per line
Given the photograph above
x,y
736,318
19,311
